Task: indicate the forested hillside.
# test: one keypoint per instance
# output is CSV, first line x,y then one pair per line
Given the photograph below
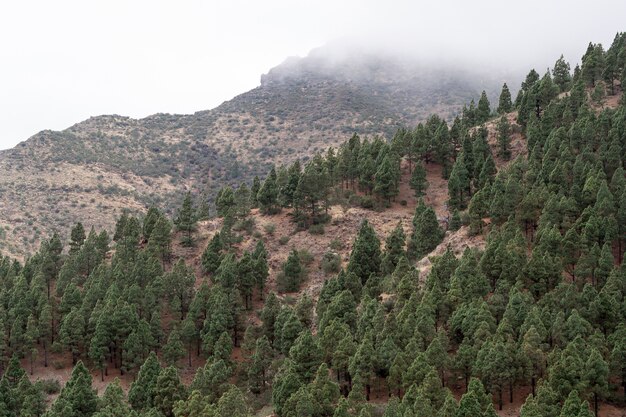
x,y
464,267
96,168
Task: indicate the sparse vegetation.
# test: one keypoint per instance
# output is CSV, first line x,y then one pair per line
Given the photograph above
x,y
523,305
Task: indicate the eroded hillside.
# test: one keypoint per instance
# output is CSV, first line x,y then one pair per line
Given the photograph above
x,y
97,167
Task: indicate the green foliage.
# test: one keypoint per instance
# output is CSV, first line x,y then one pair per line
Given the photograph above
x,y
504,103
418,180
292,274
365,259
427,233
186,221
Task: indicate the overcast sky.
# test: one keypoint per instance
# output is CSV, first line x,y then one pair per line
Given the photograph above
x,y
63,61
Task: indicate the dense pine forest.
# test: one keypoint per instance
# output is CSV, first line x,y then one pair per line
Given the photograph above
x,y
536,314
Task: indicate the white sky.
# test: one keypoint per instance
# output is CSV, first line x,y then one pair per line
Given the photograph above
x,y
63,61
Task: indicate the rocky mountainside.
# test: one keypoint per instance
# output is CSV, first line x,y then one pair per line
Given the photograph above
x,y
94,168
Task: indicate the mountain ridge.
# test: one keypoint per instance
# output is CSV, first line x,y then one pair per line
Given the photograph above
x,y
301,107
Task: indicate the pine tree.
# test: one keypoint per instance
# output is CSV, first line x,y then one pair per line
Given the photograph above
x,y
77,396
168,390
362,363
212,255
246,278
394,249
149,221
306,355
459,183
259,367
260,267
186,220
31,336
77,238
178,285
504,138
285,384
232,404
561,74
113,402
189,335
267,196
596,377
483,111
427,233
418,180
173,350
455,221
270,312
46,330
386,181
225,201
292,273
504,103
365,259
100,345
254,191
159,243
142,390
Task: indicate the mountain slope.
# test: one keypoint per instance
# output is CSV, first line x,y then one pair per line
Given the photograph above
x,y
97,167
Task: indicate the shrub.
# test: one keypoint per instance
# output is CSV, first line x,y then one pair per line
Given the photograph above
x,y
305,257
246,224
50,386
367,202
316,229
269,228
283,240
336,244
354,200
331,262
403,202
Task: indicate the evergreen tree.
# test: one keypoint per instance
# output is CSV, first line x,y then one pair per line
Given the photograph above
x,y
149,221
459,183
418,180
113,402
292,274
232,404
427,233
365,259
254,191
259,366
142,390
212,255
386,181
159,242
77,398
504,104
186,221
455,221
173,350
77,238
225,202
596,377
561,74
394,249
504,138
168,390
483,111
362,363
267,196
306,355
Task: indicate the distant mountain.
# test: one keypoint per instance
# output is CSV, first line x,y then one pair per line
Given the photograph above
x,y
94,168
